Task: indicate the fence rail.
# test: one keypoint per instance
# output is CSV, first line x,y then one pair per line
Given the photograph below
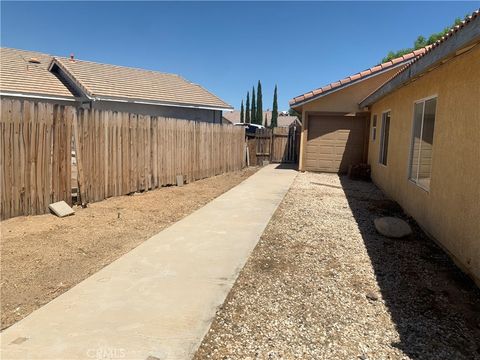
x,y
116,153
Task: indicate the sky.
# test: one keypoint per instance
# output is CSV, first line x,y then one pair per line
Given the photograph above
x,y
228,46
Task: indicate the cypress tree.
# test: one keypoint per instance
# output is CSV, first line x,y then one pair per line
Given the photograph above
x,y
274,122
259,103
242,113
253,115
247,109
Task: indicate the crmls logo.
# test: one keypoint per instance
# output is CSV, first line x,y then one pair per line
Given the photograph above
x,y
105,352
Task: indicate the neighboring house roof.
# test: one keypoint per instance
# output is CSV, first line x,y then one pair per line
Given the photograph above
x,y
282,120
225,120
459,39
119,83
25,73
311,95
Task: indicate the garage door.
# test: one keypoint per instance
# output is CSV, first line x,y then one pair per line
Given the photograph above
x,y
334,142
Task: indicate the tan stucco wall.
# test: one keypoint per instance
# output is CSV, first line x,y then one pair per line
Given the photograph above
x,y
450,210
342,101
347,99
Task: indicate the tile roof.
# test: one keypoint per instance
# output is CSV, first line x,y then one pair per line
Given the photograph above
x,y
124,83
429,49
19,75
358,76
448,35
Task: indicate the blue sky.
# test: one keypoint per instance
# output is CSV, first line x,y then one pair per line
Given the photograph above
x,y
227,46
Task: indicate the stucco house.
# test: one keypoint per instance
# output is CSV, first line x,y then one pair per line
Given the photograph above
x,y
418,127
334,126
426,152
33,75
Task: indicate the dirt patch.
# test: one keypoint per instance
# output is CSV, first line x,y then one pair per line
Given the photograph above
x,y
43,256
323,284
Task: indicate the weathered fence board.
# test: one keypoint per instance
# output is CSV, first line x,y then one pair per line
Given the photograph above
x,y
284,144
34,157
137,153
115,153
280,145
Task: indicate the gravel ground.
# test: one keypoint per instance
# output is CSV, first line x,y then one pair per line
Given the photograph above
x,y
44,256
322,284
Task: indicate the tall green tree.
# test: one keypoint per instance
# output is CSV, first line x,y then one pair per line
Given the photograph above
x,y
259,103
247,109
274,121
253,110
421,42
242,113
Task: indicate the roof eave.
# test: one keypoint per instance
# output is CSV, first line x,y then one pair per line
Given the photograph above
x,y
161,103
344,86
83,89
459,40
37,96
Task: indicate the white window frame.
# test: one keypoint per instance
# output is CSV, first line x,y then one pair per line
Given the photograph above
x,y
382,137
410,153
374,127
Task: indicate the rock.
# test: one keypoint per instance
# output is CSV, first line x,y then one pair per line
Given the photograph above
x,y
180,180
392,227
61,209
372,296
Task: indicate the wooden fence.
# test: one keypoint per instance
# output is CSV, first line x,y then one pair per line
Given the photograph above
x,y
116,153
137,153
278,145
34,156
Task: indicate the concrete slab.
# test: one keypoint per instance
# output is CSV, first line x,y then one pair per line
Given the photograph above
x,y
159,299
61,209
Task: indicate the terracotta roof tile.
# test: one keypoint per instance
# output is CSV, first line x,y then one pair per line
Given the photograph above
x,y
417,54
325,89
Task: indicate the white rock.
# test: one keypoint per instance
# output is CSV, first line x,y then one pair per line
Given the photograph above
x,y
61,209
392,227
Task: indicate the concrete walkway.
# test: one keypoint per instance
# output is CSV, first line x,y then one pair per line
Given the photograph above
x,y
157,301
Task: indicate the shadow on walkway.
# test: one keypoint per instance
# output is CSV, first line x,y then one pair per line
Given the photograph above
x,y
435,307
287,166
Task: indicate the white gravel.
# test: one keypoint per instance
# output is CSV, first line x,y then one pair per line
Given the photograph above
x,y
322,284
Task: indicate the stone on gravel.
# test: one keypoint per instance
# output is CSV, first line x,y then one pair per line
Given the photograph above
x,y
392,227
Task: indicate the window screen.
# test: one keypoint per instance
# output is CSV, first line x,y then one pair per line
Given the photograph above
x,y
422,142
384,138
374,127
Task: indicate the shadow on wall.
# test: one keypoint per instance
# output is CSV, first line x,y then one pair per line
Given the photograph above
x,y
435,307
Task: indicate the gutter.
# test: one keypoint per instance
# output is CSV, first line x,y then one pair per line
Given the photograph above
x,y
160,103
33,96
